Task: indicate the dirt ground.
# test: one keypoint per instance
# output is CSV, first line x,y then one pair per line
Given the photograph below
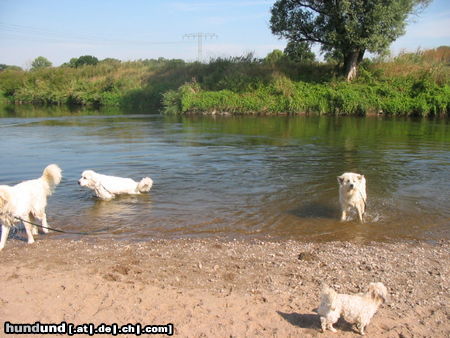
x,y
218,288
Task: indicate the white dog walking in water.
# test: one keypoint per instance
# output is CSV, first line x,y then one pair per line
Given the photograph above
x,y
25,199
107,187
352,194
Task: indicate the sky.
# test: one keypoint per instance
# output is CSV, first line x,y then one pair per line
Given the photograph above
x,y
144,29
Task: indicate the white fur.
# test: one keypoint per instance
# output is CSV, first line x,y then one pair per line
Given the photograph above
x,y
107,187
356,309
25,199
352,194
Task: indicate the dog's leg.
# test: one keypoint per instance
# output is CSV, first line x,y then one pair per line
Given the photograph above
x,y
44,223
343,215
331,328
34,230
28,229
102,193
360,213
360,327
43,218
5,232
323,323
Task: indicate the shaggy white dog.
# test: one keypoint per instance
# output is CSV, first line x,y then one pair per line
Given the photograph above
x,y
25,199
356,309
352,194
107,187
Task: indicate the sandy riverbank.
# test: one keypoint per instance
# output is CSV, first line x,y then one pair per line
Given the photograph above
x,y
215,288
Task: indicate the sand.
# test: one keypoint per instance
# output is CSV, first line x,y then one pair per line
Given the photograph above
x,y
218,288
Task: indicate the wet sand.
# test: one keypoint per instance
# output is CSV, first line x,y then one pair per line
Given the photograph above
x,y
217,288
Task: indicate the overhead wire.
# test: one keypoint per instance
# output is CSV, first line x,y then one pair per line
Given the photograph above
x,y
13,31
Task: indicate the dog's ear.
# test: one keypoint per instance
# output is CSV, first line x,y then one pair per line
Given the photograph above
x,y
340,179
360,177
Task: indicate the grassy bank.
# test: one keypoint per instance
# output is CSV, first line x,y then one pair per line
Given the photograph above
x,y
416,84
402,97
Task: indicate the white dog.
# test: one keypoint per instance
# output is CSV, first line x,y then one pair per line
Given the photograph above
x,y
107,187
25,199
356,309
352,194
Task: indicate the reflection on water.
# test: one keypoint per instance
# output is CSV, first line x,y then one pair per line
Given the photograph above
x,y
238,176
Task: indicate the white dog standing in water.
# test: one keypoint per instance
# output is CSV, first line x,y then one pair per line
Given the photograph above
x,y
25,199
352,194
107,187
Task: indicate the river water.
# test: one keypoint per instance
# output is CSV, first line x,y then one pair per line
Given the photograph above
x,y
238,177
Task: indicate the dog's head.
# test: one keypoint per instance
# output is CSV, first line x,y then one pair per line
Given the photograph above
x,y
350,181
87,179
378,292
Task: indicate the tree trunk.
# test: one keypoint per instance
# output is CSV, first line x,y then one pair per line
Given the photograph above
x,y
351,62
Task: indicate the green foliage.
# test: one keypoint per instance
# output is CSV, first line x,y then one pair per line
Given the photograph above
x,y
40,62
85,60
416,85
275,56
299,52
346,28
11,81
398,96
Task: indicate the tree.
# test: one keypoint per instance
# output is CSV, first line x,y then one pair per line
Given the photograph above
x,y
274,56
343,27
299,52
86,60
40,62
81,61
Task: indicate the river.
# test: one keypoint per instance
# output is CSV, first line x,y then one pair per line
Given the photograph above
x,y
238,177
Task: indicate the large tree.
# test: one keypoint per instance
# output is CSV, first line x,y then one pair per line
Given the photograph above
x,y
344,27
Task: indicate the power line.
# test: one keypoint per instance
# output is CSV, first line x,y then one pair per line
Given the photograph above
x,y
28,33
200,37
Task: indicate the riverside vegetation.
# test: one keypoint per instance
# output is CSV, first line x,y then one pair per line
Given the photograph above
x,y
412,84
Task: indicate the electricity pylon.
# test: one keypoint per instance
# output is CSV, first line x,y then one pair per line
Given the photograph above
x,y
200,37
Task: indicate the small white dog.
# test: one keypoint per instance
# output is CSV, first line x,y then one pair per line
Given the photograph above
x,y
352,194
356,309
107,187
25,199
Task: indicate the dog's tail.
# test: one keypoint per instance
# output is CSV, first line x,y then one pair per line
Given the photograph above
x,y
6,216
145,184
52,176
4,197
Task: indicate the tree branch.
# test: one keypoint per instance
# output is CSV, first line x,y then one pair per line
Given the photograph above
x,y
313,8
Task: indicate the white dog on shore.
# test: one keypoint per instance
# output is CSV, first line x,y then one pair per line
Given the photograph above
x,y
25,199
352,194
107,187
356,309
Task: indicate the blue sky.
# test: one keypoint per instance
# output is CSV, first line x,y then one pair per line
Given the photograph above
x,y
138,29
